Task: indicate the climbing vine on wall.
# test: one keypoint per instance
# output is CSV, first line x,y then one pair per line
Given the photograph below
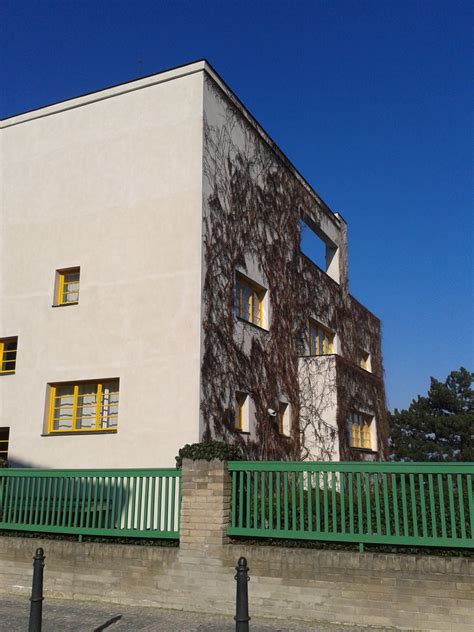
x,y
253,203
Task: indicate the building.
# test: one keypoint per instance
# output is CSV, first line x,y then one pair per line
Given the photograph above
x,y
153,291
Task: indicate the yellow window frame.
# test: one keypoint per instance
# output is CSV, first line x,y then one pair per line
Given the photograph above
x,y
4,355
4,432
75,395
239,409
321,340
361,431
62,286
256,296
282,410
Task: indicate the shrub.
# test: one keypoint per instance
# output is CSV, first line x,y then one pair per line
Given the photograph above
x,y
208,450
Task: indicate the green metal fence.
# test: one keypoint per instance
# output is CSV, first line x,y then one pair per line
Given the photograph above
x,y
121,503
417,504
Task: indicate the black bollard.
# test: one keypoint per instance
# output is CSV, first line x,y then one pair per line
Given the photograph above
x,y
36,608
242,606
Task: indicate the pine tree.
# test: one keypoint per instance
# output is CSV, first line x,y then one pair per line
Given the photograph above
x,y
438,427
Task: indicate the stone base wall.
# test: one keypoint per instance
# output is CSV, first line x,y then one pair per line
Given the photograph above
x,y
403,591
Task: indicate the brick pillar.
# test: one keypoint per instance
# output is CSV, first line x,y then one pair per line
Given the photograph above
x,y
205,504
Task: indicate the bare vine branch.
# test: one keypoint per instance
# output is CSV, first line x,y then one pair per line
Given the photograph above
x,y
252,209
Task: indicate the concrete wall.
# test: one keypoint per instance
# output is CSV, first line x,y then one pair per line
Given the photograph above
x,y
110,182
318,407
403,591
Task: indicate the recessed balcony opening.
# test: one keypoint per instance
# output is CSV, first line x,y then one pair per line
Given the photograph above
x,y
318,248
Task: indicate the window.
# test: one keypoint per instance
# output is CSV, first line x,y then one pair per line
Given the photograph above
x,y
241,412
249,301
67,286
321,340
364,360
83,406
8,349
360,430
4,439
283,418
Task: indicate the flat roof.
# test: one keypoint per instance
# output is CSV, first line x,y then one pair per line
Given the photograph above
x,y
201,65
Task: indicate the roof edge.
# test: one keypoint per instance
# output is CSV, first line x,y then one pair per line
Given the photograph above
x,y
105,93
210,70
200,65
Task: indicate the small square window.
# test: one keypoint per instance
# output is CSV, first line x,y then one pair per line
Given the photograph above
x,y
242,412
360,428
249,301
67,286
83,406
283,418
8,350
321,340
364,360
4,441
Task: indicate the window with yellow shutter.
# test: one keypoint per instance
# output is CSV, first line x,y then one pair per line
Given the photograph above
x,y
360,427
242,417
321,340
4,441
8,351
249,301
67,286
90,406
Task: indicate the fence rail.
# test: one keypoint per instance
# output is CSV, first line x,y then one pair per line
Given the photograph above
x,y
418,504
123,503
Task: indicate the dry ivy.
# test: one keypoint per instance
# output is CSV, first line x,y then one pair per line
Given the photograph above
x,y
252,212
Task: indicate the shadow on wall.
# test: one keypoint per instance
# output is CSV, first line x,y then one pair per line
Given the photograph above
x,y
14,463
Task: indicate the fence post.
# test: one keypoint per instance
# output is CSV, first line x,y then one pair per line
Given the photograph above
x,y
242,603
36,608
205,505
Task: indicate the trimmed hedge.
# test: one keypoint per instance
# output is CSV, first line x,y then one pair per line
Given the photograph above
x,y
209,450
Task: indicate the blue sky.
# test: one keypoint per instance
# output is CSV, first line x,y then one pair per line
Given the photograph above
x,y
369,99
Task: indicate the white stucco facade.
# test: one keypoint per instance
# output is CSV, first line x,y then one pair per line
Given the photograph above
x,y
110,182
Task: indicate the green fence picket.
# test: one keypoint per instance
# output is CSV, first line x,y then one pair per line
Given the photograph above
x,y
293,501
285,501
248,496
414,517
159,506
368,513
333,503
325,501
270,499
310,504
278,499
317,502
343,503
378,517
461,504
441,505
